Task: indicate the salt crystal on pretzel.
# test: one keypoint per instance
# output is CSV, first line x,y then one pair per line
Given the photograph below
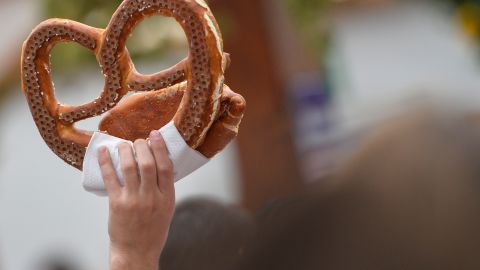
x,y
200,109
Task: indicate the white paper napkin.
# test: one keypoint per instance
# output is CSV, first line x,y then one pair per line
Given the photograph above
x,y
185,159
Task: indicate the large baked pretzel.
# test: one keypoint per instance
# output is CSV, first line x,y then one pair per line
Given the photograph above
x,y
206,113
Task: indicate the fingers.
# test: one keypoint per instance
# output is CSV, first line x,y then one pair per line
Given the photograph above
x,y
108,172
163,163
129,166
146,165
151,170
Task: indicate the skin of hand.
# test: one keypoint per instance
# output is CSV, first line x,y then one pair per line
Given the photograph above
x,y
142,209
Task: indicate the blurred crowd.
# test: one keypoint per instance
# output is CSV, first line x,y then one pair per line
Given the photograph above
x,y
408,199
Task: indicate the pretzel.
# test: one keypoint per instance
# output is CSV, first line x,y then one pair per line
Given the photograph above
x,y
190,93
142,113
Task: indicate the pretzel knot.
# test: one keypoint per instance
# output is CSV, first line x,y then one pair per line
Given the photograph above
x,y
206,113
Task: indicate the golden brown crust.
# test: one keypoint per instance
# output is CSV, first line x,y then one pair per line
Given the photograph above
x,y
60,136
136,116
226,127
203,70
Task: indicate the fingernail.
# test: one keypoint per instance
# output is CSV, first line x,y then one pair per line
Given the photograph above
x,y
155,134
125,144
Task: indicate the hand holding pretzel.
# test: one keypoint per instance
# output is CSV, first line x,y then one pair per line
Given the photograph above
x,y
206,113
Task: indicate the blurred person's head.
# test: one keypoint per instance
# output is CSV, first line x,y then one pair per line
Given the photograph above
x,y
409,199
206,234
58,262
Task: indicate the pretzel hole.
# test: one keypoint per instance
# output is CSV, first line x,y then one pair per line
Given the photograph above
x,y
89,124
157,43
76,74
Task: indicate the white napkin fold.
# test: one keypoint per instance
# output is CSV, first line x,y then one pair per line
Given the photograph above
x,y
185,159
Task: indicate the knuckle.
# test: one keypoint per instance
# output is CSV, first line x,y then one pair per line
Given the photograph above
x,y
162,173
130,205
147,166
167,165
136,205
109,175
130,167
149,204
116,204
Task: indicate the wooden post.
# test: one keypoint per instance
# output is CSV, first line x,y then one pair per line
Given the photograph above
x,y
268,163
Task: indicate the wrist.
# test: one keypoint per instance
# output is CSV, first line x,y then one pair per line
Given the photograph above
x,y
121,260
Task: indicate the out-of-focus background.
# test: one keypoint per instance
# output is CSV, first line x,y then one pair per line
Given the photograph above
x,y
317,76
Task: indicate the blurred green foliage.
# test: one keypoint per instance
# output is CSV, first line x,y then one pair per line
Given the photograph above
x,y
307,12
312,19
154,38
469,14
96,13
92,12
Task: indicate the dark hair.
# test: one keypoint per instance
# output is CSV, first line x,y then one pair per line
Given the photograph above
x,y
58,261
410,199
206,234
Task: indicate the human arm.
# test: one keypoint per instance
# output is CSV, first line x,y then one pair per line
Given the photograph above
x,y
142,209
